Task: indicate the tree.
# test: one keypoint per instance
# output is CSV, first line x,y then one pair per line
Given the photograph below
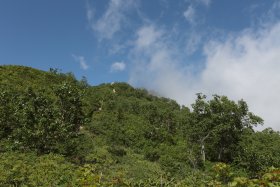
x,y
69,115
230,120
41,122
201,125
35,122
217,126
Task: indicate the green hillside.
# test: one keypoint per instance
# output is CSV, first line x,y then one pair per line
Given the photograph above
x,y
21,77
59,131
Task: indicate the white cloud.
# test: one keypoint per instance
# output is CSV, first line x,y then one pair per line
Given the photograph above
x,y
189,14
81,60
118,66
146,36
112,20
155,65
245,65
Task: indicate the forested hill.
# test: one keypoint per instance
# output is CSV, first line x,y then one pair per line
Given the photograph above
x,y
56,130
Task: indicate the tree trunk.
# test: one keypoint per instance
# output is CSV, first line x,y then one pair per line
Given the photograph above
x,y
203,152
203,155
220,154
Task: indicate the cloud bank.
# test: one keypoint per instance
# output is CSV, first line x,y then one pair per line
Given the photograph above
x,y
245,65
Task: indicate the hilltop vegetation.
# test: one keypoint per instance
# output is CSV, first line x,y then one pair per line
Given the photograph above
x,y
59,131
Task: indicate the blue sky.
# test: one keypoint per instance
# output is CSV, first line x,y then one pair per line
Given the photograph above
x,y
174,47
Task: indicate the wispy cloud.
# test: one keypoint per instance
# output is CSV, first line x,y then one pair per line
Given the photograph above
x,y
189,14
90,12
193,14
147,36
112,20
81,60
118,66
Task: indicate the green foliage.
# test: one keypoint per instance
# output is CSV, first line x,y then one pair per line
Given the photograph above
x,y
18,78
222,172
217,126
8,122
269,178
58,131
258,151
18,169
35,121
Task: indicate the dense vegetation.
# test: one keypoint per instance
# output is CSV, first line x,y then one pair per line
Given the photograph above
x,y
58,131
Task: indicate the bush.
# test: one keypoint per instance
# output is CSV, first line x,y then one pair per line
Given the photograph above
x,y
27,169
